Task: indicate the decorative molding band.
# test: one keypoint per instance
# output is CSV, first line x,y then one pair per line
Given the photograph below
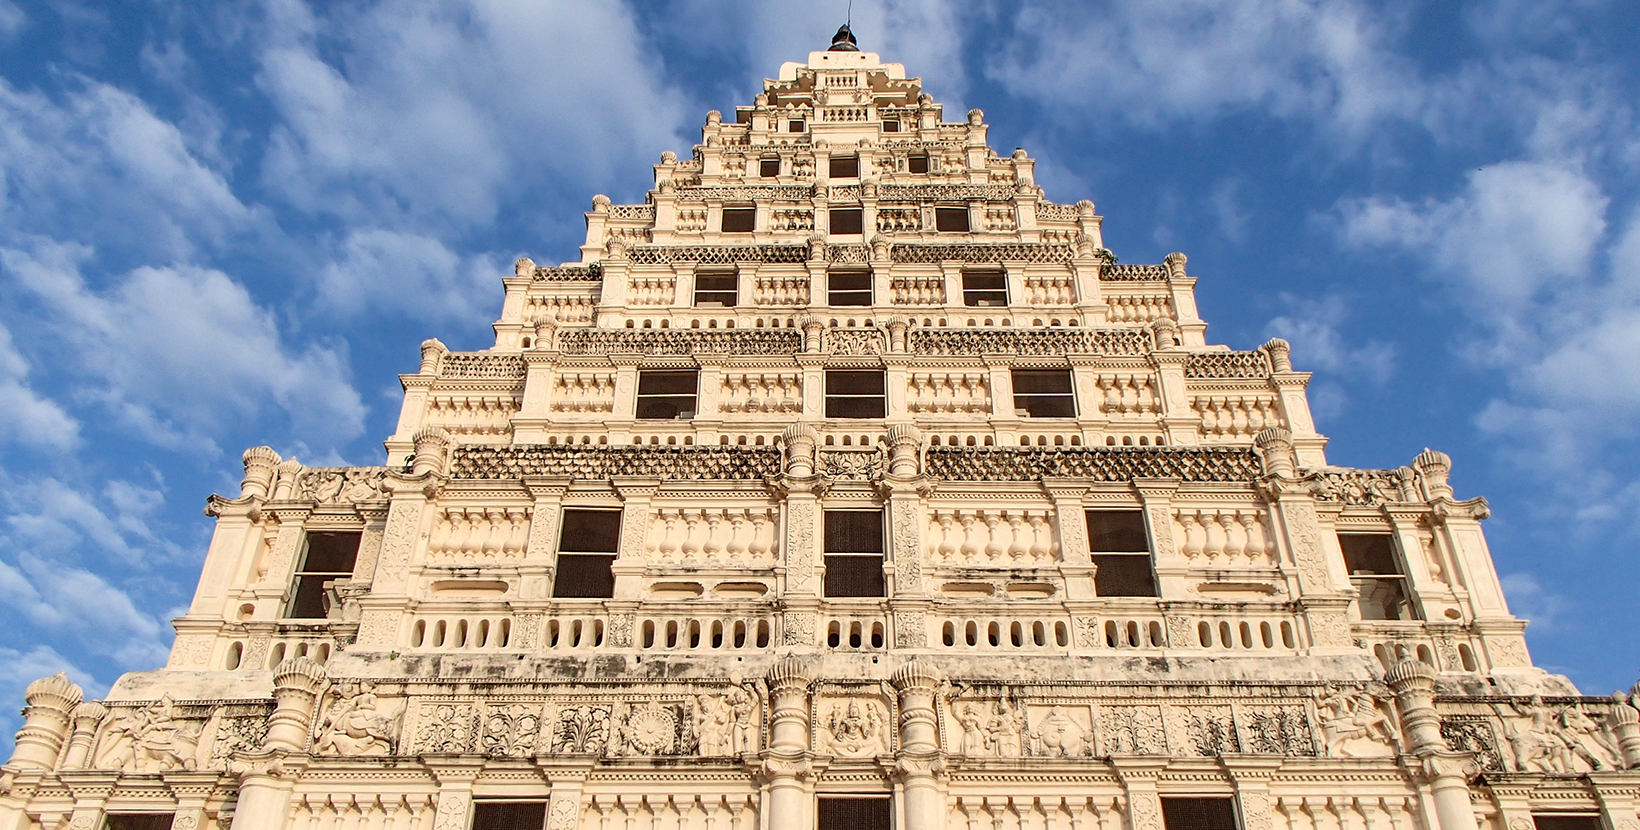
x,y
754,342
1029,342
482,367
1228,365
603,462
1098,463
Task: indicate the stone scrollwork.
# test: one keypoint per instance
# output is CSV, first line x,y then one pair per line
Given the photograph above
x,y
1132,730
445,728
355,722
510,730
581,730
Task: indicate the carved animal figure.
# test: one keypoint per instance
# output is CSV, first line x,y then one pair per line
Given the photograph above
x,y
354,725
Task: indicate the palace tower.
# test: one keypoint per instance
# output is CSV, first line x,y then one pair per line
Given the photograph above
x,y
847,483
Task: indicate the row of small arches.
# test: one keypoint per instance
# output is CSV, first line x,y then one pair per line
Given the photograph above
x,y
1388,655
1019,634
693,635
461,635
317,652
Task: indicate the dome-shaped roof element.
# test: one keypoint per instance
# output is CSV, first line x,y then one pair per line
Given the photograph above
x,y
844,40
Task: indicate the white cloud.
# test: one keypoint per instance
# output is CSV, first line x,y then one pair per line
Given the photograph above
x,y
178,352
29,417
100,166
1153,64
74,602
419,113
1226,203
1529,600
12,19
1314,329
384,272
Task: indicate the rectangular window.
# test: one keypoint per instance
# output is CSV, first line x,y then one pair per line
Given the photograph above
x,y
854,553
951,219
1044,393
769,168
856,393
587,546
917,164
669,393
739,219
509,815
329,557
1121,551
794,126
1567,821
848,287
716,288
845,167
138,821
1199,813
853,813
985,289
891,126
1375,572
847,220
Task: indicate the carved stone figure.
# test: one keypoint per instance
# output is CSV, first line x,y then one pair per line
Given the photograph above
x,y
723,723
855,729
975,739
1007,728
1058,736
151,739
354,724
1354,723
1538,746
1586,739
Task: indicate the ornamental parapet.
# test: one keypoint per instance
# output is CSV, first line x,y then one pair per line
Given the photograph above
x,y
1218,365
1097,463
569,273
603,462
751,342
1029,343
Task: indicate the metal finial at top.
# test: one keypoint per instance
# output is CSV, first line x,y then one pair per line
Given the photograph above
x,y
844,40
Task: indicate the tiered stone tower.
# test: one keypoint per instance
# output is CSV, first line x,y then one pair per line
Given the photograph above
x,y
845,483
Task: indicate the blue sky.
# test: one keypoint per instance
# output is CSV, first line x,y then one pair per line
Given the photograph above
x,y
227,224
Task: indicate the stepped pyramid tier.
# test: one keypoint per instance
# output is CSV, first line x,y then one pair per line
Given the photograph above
x,y
846,482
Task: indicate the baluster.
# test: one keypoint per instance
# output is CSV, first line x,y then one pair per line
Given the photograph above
x,y
1018,545
1041,538
1214,547
518,519
948,539
492,532
736,546
1253,524
970,538
713,543
994,546
669,538
1195,536
691,542
1235,537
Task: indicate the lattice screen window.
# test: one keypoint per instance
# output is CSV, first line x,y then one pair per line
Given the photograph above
x,y
984,288
853,812
856,393
854,553
739,219
509,815
1376,574
329,557
951,219
716,288
138,821
587,546
1199,813
1120,546
1044,393
667,394
848,287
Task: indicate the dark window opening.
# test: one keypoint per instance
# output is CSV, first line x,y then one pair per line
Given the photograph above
x,y
329,557
1375,572
739,220
847,220
587,546
509,815
845,167
853,813
1199,813
951,219
794,126
854,553
138,821
987,289
667,394
852,393
917,164
891,126
848,288
769,168
1120,548
716,288
1566,821
1044,393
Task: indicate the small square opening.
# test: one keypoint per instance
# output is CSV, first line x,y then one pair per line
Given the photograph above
x,y
845,167
769,168
951,219
847,221
739,219
917,164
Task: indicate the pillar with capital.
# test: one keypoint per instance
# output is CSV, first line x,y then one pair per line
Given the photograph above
x,y
919,766
786,772
268,777
1447,772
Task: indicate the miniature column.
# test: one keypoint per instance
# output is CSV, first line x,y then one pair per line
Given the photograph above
x,y
45,721
1447,772
906,520
1625,723
267,777
802,544
919,765
786,768
87,717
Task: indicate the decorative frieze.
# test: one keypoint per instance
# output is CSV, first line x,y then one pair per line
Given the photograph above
x,y
340,485
1227,365
1097,463
1133,273
1028,342
603,462
579,273
482,367
749,342
717,254
986,253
